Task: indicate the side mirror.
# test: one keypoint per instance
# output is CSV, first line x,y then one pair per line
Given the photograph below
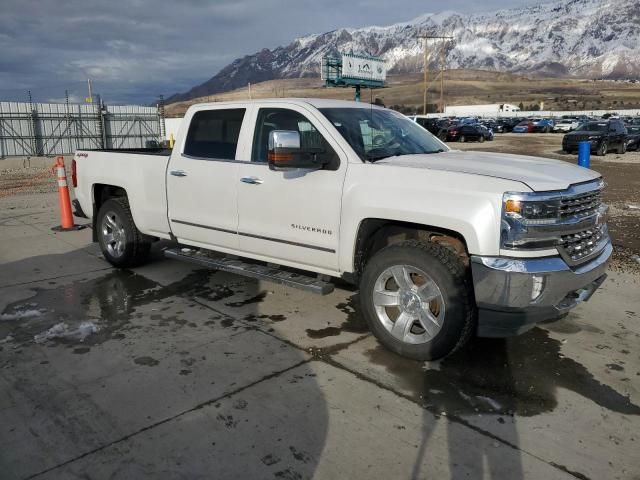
x,y
285,152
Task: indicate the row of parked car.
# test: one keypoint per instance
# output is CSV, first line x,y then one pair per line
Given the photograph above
x,y
605,134
466,129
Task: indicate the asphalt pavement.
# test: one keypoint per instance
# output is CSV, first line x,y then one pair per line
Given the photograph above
x,y
171,371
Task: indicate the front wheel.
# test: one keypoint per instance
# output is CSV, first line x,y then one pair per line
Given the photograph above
x,y
481,139
121,242
417,300
602,149
461,139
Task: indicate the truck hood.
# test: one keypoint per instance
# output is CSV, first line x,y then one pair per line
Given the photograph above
x,y
539,174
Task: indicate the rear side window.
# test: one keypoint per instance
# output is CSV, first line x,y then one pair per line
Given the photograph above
x,y
214,134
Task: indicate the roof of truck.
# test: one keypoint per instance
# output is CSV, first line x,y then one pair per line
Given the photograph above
x,y
316,102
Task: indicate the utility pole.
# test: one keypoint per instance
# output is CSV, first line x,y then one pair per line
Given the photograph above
x,y
90,92
442,78
426,69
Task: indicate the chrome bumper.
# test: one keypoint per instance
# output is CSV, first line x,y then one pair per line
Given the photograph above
x,y
512,295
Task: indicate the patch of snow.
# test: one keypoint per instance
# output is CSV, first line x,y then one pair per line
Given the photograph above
x,y
62,330
20,314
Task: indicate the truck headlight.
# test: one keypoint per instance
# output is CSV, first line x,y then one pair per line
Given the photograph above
x,y
524,218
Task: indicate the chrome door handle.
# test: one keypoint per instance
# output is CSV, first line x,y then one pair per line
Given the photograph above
x,y
251,180
178,173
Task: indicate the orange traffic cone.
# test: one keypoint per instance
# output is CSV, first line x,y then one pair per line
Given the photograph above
x,y
66,217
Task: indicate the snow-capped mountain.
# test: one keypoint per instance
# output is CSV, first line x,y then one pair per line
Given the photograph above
x,y
585,38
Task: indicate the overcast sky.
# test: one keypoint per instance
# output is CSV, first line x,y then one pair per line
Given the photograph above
x,y
134,50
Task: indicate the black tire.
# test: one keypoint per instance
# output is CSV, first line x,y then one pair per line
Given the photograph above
x,y
134,245
622,149
461,139
454,284
602,149
481,139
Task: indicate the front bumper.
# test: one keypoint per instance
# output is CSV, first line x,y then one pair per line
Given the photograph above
x,y
514,294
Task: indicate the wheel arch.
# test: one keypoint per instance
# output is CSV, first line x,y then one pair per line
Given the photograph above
x,y
376,233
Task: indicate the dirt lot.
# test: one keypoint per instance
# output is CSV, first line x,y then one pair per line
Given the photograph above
x,y
169,371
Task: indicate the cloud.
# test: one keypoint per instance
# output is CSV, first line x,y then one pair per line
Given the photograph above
x,y
134,50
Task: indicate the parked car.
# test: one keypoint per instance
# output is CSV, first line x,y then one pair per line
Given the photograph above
x,y
470,133
543,125
633,137
603,136
566,125
449,132
429,234
526,126
488,132
495,127
431,124
508,123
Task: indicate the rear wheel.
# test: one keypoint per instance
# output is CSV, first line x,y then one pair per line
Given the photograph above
x,y
462,139
121,242
481,139
622,148
417,300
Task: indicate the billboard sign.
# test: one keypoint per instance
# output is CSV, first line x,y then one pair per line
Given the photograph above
x,y
363,68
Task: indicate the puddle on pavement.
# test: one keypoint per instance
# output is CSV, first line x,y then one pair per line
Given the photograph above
x,y
354,322
514,376
93,311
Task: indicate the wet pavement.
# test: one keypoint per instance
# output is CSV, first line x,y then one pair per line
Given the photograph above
x,y
170,371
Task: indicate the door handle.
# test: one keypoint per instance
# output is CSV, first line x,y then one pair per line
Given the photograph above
x,y
178,173
251,180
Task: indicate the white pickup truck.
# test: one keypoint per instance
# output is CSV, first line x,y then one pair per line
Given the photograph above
x,y
444,244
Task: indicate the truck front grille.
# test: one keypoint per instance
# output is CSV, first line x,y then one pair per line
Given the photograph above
x,y
578,247
580,206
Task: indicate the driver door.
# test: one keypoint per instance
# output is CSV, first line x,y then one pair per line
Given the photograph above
x,y
291,216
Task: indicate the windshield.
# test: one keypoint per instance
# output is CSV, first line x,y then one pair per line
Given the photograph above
x,y
375,134
593,127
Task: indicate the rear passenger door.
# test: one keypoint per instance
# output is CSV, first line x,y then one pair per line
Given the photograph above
x,y
202,186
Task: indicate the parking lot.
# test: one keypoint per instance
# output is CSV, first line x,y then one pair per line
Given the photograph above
x,y
170,371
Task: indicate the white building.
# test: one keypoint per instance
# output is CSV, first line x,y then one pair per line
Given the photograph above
x,y
485,110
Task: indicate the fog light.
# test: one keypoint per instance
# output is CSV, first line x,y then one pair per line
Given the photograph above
x,y
538,286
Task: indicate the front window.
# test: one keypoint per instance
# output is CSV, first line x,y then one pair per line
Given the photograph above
x,y
270,119
375,134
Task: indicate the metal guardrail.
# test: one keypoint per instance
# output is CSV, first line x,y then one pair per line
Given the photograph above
x,y
42,129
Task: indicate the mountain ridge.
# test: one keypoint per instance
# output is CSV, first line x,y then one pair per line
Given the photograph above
x,y
581,38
